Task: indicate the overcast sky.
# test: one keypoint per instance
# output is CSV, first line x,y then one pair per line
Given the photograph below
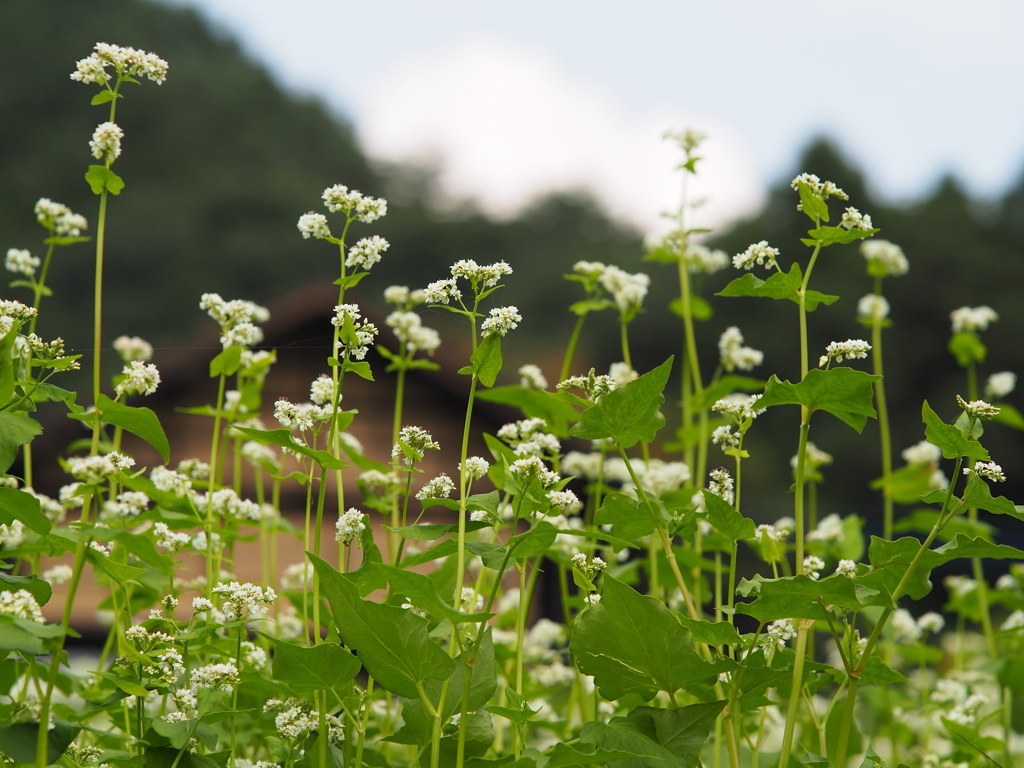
x,y
512,99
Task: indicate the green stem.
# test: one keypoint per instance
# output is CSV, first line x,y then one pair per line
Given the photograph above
x,y
97,329
570,350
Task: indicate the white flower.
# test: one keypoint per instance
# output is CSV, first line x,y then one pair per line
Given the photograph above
x,y
58,574
846,568
621,374
931,622
170,540
840,350
127,62
734,355
725,437
971,319
1014,621
363,333
169,481
740,407
854,219
700,258
829,528
480,276
884,258
922,453
813,565
354,204
293,416
313,225
132,349
21,262
532,466
440,487
322,390
872,307
627,289
239,601
442,291
531,377
201,604
1000,384
501,321
978,409
93,469
366,252
817,187
759,253
350,526
398,295
566,501
987,469
21,604
139,379
413,440
722,484
475,468
16,311
106,142
221,677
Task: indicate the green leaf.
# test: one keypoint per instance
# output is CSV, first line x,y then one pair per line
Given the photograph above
x,y
832,235
781,285
103,97
306,670
978,495
18,741
32,584
970,741
16,430
535,405
878,673
949,438
726,520
628,519
20,505
360,369
967,348
519,712
485,361
632,643
628,414
890,559
796,597
423,594
227,362
101,178
393,644
141,422
669,737
811,204
843,392
118,572
710,632
563,756
14,638
283,438
434,531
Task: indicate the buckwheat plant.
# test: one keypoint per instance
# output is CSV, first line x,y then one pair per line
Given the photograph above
x,y
672,646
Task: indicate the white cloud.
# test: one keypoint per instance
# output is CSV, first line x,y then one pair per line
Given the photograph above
x,y
507,123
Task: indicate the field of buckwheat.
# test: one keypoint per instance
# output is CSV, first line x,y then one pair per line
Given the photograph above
x,y
415,646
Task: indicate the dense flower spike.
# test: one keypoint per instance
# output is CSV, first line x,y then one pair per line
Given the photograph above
x,y
354,204
106,142
313,225
501,320
350,526
850,349
139,379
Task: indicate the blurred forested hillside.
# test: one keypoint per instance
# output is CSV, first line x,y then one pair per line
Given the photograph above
x,y
220,162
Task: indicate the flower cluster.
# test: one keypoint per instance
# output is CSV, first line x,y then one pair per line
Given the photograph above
x,y
844,350
593,386
411,332
1000,384
501,320
139,379
884,258
133,349
481,277
854,219
106,142
127,62
628,290
350,526
313,225
817,187
589,568
740,407
970,319
237,319
59,219
872,308
978,409
532,377
21,262
987,469
528,438
734,355
95,469
440,487
240,601
759,253
475,467
366,252
22,604
354,204
412,442
358,340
